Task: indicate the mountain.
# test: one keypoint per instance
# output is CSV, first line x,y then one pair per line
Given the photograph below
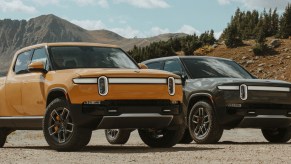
x,y
16,34
109,37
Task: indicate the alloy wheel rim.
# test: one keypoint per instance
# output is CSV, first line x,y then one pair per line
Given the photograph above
x,y
61,125
112,133
200,123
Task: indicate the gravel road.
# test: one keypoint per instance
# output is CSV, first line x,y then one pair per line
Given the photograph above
x,y
236,146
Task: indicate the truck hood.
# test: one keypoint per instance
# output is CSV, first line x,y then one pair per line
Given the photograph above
x,y
124,73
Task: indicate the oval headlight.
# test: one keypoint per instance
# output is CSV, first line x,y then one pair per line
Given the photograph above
x,y
102,85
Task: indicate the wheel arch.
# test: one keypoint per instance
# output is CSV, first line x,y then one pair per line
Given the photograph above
x,y
56,93
194,98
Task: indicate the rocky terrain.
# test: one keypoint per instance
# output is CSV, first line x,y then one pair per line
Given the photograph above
x,y
236,146
16,34
275,64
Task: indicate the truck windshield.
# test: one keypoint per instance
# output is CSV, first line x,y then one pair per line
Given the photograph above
x,y
70,57
215,68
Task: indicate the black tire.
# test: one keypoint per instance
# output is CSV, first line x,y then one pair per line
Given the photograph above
x,y
203,125
4,132
59,128
117,136
187,138
163,138
277,135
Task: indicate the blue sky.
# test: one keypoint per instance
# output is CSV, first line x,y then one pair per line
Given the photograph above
x,y
139,18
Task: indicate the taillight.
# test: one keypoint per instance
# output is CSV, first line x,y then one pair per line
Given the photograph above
x,y
171,86
103,85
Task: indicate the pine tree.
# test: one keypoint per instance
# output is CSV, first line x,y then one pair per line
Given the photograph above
x,y
285,23
232,36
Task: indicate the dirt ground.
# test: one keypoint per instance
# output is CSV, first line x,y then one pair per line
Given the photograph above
x,y
236,146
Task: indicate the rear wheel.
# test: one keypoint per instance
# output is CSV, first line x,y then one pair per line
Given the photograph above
x,y
163,138
277,135
186,137
117,136
60,130
203,125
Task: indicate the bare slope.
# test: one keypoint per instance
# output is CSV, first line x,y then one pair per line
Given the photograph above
x,y
275,65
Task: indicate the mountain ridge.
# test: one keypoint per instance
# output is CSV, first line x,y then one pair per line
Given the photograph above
x,y
16,34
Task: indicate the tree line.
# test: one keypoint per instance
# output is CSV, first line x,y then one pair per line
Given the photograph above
x,y
246,25
186,44
243,25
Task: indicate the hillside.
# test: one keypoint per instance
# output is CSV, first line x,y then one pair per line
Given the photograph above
x,y
276,65
109,37
16,34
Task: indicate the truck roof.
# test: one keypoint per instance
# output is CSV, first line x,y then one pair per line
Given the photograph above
x,y
66,44
184,57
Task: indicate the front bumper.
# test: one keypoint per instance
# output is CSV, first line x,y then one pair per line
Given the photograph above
x,y
265,121
251,117
123,114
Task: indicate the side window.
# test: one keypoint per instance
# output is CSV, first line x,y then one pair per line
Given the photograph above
x,y
155,65
173,66
40,55
22,61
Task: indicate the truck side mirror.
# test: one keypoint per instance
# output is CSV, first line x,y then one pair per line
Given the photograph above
x,y
182,75
142,66
37,67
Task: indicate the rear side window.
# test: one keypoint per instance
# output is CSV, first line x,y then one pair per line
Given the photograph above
x,y
39,55
155,65
22,61
173,66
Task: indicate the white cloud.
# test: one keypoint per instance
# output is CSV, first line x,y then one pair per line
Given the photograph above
x,y
145,3
85,2
90,24
15,6
44,3
224,2
148,4
103,3
187,29
217,34
255,4
127,32
130,32
157,31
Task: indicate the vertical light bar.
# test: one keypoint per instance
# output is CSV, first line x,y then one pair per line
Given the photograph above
x,y
171,86
103,86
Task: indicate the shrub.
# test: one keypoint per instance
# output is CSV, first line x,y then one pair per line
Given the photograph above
x,y
259,49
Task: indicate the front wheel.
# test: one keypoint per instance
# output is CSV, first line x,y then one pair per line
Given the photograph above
x,y
277,135
203,125
117,136
60,130
163,138
4,132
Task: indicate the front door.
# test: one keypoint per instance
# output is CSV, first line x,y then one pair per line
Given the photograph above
x,y
14,84
33,87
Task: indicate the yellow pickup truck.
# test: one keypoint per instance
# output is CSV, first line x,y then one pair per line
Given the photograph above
x,y
70,89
